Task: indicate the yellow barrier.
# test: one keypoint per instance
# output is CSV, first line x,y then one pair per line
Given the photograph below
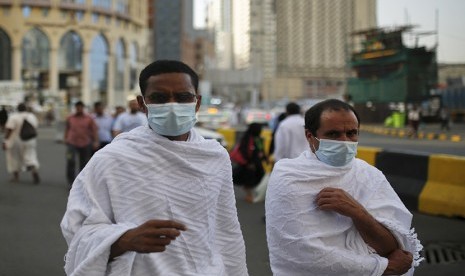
x,y
368,154
229,135
444,192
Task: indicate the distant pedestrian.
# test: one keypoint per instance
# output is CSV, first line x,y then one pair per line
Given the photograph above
x,y
414,121
129,120
444,117
276,122
3,118
104,123
248,169
260,190
290,139
81,137
21,154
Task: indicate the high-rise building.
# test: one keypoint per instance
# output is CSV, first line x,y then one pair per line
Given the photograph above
x,y
174,36
313,45
299,47
69,50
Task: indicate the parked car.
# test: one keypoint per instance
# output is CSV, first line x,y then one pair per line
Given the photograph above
x,y
257,116
210,134
214,118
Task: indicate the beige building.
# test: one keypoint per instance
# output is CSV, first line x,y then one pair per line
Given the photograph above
x,y
313,44
69,50
300,47
450,71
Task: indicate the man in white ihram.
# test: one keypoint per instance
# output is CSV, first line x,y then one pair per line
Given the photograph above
x,y
328,213
290,139
157,200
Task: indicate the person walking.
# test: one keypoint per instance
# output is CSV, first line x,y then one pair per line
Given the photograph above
x,y
290,139
21,154
3,118
81,138
159,199
248,155
414,117
444,117
104,124
129,120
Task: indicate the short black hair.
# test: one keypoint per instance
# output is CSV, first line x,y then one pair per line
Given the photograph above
x,y
79,103
292,108
22,107
312,116
98,104
159,67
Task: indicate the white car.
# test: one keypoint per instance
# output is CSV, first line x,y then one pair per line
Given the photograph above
x,y
210,134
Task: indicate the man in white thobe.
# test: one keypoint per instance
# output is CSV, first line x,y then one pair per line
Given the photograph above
x,y
290,139
328,213
21,155
159,199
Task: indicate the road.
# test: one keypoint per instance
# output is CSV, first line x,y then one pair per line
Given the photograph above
x,y
32,244
412,145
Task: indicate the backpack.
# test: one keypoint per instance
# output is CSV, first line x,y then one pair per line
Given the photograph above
x,y
27,131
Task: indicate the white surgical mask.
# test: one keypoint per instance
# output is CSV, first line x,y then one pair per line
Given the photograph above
x,y
171,119
336,153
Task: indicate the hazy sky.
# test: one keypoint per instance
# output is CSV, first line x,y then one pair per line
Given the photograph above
x,y
451,23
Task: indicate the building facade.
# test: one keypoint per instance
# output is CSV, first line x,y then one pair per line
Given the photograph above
x,y
314,45
69,50
300,48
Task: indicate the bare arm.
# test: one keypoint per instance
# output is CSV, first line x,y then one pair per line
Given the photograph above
x,y
7,135
95,135
152,236
66,131
373,233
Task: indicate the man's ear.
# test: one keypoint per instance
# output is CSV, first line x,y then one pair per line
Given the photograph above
x,y
140,101
199,102
308,134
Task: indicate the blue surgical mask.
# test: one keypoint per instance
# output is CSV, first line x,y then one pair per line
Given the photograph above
x,y
171,119
336,153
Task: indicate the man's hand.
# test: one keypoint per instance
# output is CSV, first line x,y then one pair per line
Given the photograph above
x,y
339,201
373,233
399,262
152,236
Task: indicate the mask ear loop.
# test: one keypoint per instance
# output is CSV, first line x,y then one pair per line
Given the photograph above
x,y
312,146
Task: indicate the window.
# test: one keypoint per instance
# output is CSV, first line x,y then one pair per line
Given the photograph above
x,y
5,56
35,50
26,11
133,57
104,4
99,69
119,66
70,53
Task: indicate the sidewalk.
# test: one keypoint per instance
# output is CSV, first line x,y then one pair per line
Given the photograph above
x,y
426,131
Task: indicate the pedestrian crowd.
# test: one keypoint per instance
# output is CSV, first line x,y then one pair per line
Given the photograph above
x,y
150,196
84,134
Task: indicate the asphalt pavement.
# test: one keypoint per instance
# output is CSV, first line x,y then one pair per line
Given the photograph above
x,y
32,243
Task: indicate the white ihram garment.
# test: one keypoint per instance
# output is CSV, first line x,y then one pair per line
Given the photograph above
x,y
290,140
142,176
304,240
20,154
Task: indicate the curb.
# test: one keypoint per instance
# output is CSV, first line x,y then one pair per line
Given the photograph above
x,y
402,133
